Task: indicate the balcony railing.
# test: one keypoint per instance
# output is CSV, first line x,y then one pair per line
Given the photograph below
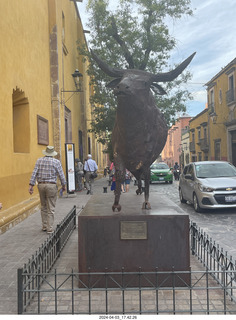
x,y
192,146
211,107
231,96
204,145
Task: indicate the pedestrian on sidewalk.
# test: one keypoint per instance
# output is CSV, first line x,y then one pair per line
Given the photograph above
x,y
90,167
105,172
126,183
46,171
112,175
79,173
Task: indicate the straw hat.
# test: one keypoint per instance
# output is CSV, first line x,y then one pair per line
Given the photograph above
x,y
50,152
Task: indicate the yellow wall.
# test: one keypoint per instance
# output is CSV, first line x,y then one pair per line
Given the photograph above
x,y
218,129
198,123
24,65
36,65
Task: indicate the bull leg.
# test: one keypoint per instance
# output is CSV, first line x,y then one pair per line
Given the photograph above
x,y
119,177
139,190
146,204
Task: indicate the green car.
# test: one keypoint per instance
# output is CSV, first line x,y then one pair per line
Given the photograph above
x,y
160,172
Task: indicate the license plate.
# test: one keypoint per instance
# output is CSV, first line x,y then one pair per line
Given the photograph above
x,y
161,178
230,198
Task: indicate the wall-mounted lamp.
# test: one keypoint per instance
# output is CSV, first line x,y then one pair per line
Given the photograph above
x,y
76,76
78,83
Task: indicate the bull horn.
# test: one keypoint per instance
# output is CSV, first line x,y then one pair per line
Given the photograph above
x,y
112,72
171,75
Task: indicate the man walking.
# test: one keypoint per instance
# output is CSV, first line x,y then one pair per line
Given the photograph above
x,y
45,172
79,173
90,167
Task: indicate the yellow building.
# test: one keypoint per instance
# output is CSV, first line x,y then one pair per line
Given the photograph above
x,y
213,131
221,104
40,104
199,137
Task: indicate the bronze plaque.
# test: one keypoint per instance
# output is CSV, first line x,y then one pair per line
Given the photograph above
x,y
43,137
133,230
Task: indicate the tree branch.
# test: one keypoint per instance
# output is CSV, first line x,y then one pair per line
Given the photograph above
x,y
123,45
149,44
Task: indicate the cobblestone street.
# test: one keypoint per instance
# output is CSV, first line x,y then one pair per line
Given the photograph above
x,y
220,225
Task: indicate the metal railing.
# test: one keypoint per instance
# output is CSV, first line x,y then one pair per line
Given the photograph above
x,y
213,257
230,96
204,145
211,107
43,260
192,147
156,293
210,291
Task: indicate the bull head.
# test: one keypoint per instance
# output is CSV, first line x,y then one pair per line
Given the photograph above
x,y
151,78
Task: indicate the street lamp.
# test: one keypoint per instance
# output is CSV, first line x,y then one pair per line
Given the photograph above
x,y
78,85
76,76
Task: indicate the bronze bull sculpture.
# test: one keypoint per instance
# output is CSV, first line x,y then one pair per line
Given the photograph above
x,y
140,130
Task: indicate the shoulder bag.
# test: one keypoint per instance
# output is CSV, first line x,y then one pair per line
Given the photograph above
x,y
93,175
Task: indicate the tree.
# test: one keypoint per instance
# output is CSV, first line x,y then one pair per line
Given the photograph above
x,y
134,35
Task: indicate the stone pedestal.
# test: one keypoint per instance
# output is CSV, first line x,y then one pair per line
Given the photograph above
x,y
133,239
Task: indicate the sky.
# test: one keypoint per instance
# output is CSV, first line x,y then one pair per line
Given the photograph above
x,y
210,32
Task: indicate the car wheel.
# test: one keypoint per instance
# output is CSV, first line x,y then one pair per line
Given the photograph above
x,y
182,200
196,204
171,181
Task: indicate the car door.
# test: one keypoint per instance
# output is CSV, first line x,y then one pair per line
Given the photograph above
x,y
183,181
189,183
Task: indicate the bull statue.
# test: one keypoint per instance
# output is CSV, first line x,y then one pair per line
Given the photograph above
x,y
140,130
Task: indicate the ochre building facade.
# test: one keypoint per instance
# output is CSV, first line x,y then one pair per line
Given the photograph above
x,y
40,104
213,131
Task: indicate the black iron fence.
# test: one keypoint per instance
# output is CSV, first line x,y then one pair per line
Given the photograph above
x,y
43,260
211,291
213,257
69,294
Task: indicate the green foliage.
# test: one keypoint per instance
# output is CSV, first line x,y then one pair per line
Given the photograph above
x,y
133,35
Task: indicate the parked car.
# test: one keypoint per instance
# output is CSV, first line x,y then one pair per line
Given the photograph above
x,y
160,172
208,185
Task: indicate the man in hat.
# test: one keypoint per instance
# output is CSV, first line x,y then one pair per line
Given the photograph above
x,y
45,172
90,167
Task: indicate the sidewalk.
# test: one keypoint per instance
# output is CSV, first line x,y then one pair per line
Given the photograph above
x,y
20,242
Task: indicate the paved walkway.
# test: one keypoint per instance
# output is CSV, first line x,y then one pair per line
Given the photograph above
x,y
20,242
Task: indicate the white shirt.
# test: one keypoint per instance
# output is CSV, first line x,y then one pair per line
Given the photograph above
x,y
90,165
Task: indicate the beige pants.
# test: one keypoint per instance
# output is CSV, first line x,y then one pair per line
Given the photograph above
x,y
89,182
48,198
